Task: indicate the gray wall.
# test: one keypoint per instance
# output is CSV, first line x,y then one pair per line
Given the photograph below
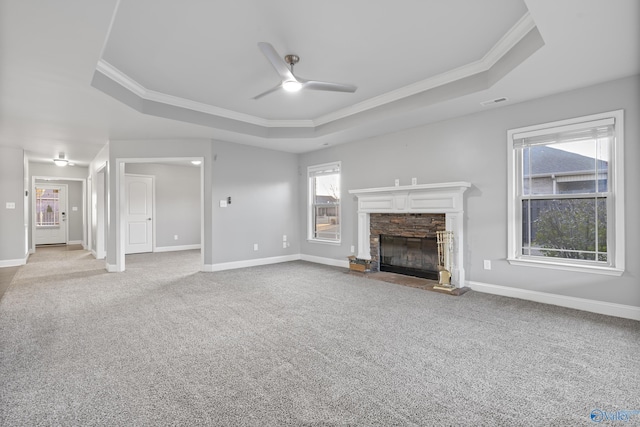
x,y
74,198
474,148
263,186
13,226
177,202
51,170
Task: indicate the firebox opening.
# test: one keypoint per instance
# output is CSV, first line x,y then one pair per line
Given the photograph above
x,y
412,256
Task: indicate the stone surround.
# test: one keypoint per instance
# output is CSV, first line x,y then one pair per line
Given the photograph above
x,y
405,225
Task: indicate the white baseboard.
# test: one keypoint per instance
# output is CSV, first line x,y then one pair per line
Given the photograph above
x,y
13,262
325,261
94,253
75,242
600,307
176,248
111,268
249,263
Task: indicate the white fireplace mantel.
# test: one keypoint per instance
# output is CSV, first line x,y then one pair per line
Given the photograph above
x,y
440,198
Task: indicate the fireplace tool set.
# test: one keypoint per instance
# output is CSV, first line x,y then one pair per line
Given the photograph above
x,y
445,258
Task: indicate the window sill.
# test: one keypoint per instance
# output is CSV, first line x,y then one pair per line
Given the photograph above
x,y
594,269
325,242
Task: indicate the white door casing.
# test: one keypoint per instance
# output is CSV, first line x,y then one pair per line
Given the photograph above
x,y
51,221
138,213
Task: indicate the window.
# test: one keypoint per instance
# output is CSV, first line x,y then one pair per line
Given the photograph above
x,y
566,194
324,202
47,207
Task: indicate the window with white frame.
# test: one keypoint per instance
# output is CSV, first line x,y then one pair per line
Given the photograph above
x,y
566,194
324,202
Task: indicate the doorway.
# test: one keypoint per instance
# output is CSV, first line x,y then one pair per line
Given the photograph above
x,y
120,222
50,214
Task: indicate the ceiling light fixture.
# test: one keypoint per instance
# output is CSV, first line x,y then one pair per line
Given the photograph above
x,y
291,85
61,161
196,162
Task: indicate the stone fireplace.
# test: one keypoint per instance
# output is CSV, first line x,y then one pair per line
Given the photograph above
x,y
405,243
407,218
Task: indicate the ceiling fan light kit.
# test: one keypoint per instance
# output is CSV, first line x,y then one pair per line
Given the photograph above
x,y
291,83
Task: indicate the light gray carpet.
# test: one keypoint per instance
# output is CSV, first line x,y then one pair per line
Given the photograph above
x,y
294,344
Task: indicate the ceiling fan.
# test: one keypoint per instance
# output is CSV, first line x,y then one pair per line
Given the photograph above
x,y
292,83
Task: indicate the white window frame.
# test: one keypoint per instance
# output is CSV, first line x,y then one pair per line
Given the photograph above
x,y
615,198
311,174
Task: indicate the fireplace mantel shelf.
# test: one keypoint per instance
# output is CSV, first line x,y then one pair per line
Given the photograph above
x,y
450,186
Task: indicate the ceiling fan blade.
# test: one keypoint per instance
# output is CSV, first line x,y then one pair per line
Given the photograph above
x,y
334,87
278,63
273,89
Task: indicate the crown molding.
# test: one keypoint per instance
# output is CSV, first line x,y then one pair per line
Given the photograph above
x,y
499,50
136,88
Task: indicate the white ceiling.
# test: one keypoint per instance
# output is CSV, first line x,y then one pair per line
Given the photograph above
x,y
76,74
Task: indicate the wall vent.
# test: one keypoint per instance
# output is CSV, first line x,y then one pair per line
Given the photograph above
x,y
493,101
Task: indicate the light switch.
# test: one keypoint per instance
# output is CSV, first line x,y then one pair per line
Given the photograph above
x,y
74,208
11,205
223,203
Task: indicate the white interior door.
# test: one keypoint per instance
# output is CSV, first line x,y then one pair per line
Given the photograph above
x,y
138,214
50,214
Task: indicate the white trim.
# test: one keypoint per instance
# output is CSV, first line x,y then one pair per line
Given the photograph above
x,y
14,262
325,261
75,242
508,42
593,306
176,248
616,192
500,49
94,253
249,263
557,265
112,268
310,193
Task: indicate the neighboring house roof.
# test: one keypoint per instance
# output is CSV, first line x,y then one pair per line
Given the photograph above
x,y
547,160
326,199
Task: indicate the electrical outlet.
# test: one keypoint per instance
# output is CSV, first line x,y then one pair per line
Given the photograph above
x,y
175,237
353,249
255,246
487,264
284,237
397,182
414,181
